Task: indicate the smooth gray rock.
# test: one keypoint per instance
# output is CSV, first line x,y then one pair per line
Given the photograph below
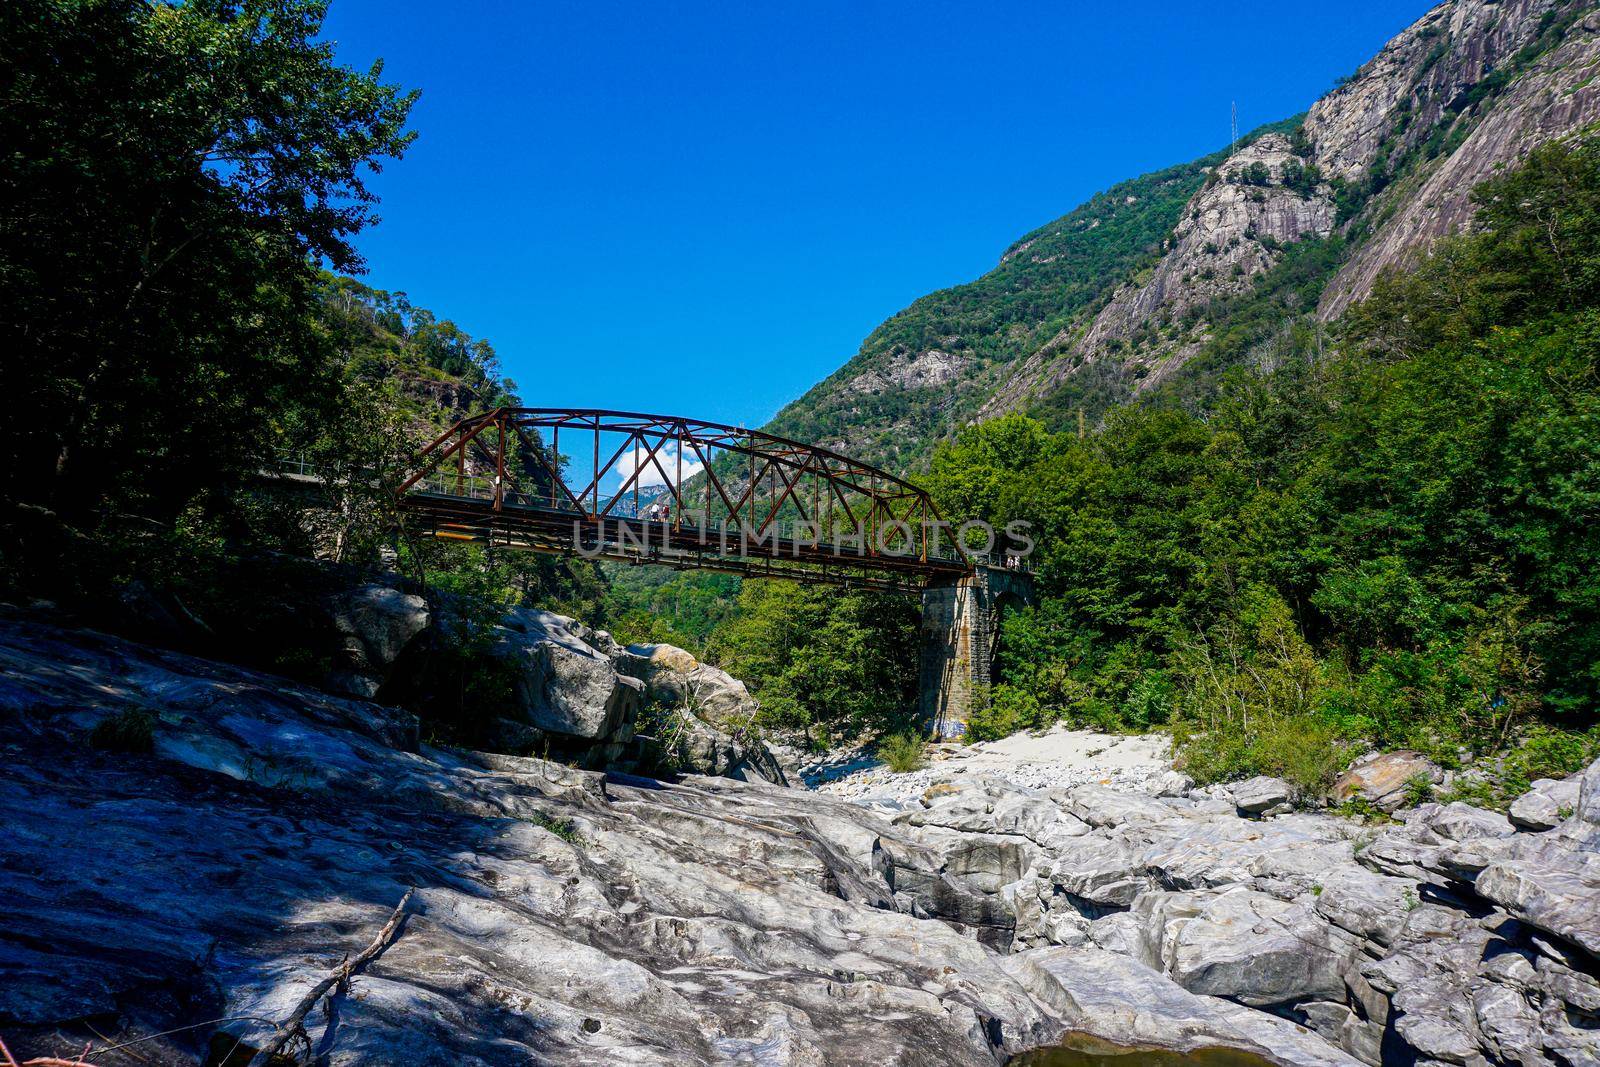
x,y
1098,871
559,916
375,622
1547,804
1101,807
1262,796
1258,950
563,685
1119,999
713,920
1171,783
1560,896
1586,825
703,715
1369,905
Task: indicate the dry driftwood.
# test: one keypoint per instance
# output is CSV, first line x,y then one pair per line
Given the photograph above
x,y
294,1025
42,1061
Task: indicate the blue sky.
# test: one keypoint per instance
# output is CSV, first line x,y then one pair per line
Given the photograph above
x,y
702,209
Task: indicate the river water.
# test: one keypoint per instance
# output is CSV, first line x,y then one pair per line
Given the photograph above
x,y
1080,1050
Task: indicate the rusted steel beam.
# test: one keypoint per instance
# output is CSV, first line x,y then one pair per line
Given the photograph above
x,y
777,469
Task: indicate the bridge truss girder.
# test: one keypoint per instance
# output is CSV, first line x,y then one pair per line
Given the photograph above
x,y
823,517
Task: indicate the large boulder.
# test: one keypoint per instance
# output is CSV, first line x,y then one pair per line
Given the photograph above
x,y
1381,778
1102,807
1262,795
375,623
562,684
681,743
1586,827
551,916
1118,999
1255,949
674,676
1547,804
700,715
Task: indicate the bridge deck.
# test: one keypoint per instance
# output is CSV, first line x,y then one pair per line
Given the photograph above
x,y
775,553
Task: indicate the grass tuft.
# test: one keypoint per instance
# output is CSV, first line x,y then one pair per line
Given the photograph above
x,y
129,730
903,752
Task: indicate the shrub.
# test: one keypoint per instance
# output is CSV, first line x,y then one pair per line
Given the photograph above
x,y
1419,789
1304,750
129,730
1547,752
1007,710
902,752
1149,701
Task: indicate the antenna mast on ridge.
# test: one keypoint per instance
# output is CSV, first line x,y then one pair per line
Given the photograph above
x,y
1233,143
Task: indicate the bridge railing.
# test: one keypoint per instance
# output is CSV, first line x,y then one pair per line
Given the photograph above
x,y
482,487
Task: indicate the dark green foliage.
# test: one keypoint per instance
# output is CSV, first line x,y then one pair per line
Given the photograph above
x,y
1388,544
1303,179
172,174
1257,173
903,752
130,730
829,664
654,605
385,338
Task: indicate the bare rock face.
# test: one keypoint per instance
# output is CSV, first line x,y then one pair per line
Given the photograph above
x,y
1263,796
674,676
1256,202
558,915
1554,98
702,715
1545,806
569,916
1415,121
1423,70
564,685
930,369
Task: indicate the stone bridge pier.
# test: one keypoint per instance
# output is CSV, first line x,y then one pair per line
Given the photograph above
x,y
959,636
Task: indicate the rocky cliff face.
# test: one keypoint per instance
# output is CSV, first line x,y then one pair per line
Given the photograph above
x,y
1388,128
196,879
1235,228
1385,162
1554,96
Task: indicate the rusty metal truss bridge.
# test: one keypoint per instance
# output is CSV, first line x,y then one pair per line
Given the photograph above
x,y
689,494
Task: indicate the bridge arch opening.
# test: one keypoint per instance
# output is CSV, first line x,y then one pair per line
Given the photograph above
x,y
1007,603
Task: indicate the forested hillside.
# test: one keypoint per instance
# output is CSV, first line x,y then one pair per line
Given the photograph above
x,y
1243,256
934,362
1387,544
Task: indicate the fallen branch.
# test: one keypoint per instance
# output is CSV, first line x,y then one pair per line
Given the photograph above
x,y
43,1061
340,976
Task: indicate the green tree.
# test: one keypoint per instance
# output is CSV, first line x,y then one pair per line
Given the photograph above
x,y
827,664
174,173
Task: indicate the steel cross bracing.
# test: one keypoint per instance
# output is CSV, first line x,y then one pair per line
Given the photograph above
x,y
750,502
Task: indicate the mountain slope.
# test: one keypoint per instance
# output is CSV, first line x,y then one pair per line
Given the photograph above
x,y
934,363
1169,278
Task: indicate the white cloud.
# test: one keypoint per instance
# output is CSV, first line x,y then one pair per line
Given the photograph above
x,y
650,477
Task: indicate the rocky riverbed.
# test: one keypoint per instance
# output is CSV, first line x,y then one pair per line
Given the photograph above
x,y
260,834
1058,758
